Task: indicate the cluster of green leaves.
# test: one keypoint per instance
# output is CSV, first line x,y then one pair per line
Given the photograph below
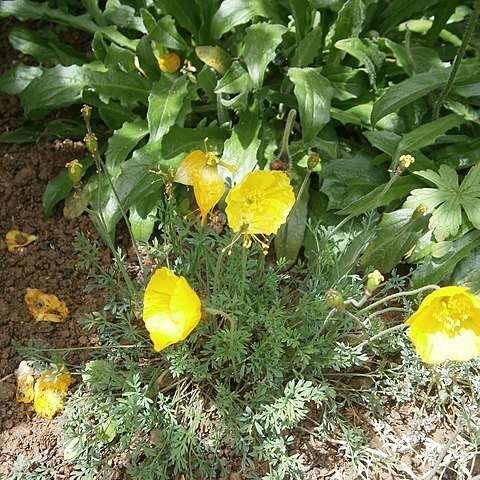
x,y
367,77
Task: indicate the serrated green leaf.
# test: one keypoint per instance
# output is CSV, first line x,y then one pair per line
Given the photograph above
x,y
147,60
261,41
125,16
94,11
308,48
314,94
237,12
164,104
61,86
185,12
383,140
397,233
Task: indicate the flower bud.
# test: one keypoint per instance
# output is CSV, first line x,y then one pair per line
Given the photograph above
x,y
313,161
75,172
86,112
420,211
375,278
91,143
334,299
404,162
169,63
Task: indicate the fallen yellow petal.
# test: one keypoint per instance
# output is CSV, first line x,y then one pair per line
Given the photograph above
x,y
17,239
25,381
45,308
50,391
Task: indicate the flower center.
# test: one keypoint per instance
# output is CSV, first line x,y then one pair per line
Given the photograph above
x,y
453,313
254,200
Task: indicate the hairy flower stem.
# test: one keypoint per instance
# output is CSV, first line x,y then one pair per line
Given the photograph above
x,y
244,273
101,166
284,154
382,333
216,275
458,59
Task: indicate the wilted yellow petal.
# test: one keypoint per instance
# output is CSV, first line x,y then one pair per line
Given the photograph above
x,y
46,308
50,391
192,162
25,381
208,188
17,239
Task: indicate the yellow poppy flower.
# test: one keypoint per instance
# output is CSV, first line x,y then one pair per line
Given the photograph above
x,y
169,62
200,170
171,309
259,205
446,326
50,391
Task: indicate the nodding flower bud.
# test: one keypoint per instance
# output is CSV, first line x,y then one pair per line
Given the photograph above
x,y
169,63
334,299
86,112
75,172
404,162
91,143
313,160
420,211
375,278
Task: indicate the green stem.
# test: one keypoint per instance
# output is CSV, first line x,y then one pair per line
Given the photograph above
x,y
382,333
218,267
458,59
244,273
399,294
284,154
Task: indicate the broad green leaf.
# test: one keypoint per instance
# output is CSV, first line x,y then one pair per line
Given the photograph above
x,y
59,188
347,82
347,25
44,47
289,238
16,79
314,94
419,85
122,142
147,60
121,58
241,148
94,11
164,104
382,196
142,227
426,134
236,80
346,181
308,48
28,10
56,129
383,140
181,140
165,33
397,233
185,12
459,156
214,57
261,41
118,13
367,53
467,272
300,12
60,87
237,12
434,270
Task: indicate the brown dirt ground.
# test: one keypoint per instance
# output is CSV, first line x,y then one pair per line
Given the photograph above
x,y
47,264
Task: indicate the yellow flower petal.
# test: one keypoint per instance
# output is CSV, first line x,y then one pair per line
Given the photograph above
x,y
446,326
260,203
208,189
50,391
17,239
171,309
169,63
192,162
46,308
